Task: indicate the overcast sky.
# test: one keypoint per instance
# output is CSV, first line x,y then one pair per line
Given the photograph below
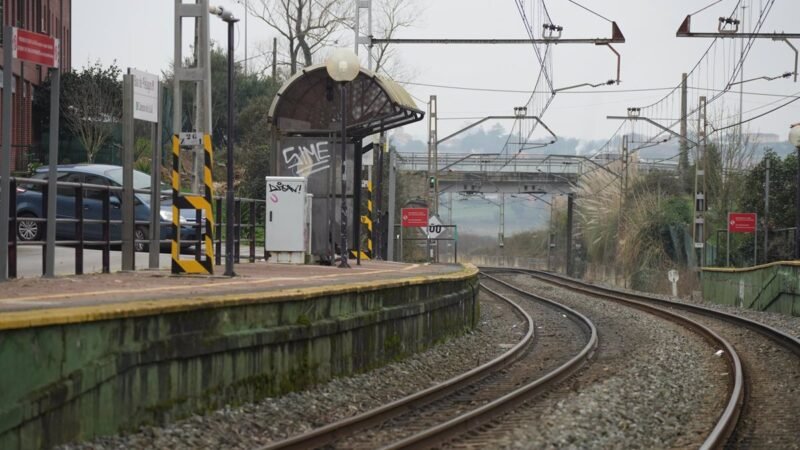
x,y
140,34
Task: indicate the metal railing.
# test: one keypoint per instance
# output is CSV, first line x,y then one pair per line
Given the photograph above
x,y
250,215
476,162
249,219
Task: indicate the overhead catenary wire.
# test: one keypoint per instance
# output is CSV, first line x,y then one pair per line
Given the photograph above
x,y
587,9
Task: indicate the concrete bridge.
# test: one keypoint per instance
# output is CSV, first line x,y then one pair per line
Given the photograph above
x,y
515,173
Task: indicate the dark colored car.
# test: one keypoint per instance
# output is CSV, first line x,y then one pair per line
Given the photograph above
x,y
29,205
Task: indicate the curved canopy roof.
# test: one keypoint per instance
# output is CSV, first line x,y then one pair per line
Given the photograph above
x,y
308,104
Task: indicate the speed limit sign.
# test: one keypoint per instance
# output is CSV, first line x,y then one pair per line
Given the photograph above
x,y
435,227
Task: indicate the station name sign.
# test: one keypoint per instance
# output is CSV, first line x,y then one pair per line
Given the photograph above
x,y
34,47
145,95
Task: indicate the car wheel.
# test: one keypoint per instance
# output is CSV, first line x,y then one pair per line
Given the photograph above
x,y
140,234
28,230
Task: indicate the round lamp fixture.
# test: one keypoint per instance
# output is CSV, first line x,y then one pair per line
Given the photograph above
x,y
794,135
342,65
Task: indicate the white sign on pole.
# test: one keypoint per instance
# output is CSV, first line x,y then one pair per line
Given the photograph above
x,y
673,278
190,139
145,95
435,227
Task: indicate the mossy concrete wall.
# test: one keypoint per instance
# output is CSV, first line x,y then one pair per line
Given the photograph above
x,y
83,373
770,287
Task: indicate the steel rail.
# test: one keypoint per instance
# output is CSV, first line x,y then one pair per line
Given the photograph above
x,y
467,421
789,342
324,435
726,424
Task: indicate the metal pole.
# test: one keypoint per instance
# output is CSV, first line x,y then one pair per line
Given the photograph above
x,y
766,214
50,251
379,222
427,248
5,160
683,159
755,245
797,209
569,234
728,244
245,37
155,186
229,193
390,219
128,216
274,58
401,245
357,177
455,245
343,136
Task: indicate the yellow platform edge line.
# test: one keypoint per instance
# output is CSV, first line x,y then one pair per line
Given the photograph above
x,y
139,308
749,269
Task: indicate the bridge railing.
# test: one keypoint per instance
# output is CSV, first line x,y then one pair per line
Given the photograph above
x,y
477,162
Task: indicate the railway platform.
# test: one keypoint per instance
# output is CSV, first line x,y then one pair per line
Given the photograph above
x,y
84,356
153,290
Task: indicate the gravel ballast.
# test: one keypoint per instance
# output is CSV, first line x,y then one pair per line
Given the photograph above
x,y
650,391
273,419
653,384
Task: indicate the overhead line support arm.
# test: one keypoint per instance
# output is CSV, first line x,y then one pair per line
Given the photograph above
x,y
496,118
654,123
616,38
684,31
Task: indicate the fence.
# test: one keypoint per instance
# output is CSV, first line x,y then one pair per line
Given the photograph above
x,y
249,225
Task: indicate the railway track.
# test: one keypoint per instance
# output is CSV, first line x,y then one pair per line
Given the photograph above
x,y
471,410
450,408
621,336
770,359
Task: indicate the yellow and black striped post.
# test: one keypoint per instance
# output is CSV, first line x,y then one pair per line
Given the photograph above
x,y
203,263
367,220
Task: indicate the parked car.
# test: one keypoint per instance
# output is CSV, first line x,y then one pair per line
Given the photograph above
x,y
29,206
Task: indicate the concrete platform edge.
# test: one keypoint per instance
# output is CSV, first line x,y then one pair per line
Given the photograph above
x,y
60,316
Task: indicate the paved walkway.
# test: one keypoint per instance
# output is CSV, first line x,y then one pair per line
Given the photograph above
x,y
159,287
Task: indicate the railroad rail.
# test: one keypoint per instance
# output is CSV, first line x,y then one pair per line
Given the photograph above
x,y
465,382
444,430
767,416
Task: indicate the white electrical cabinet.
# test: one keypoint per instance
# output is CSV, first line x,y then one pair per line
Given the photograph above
x,y
286,224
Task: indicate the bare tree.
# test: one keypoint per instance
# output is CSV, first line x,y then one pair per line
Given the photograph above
x,y
392,16
91,103
306,25
730,154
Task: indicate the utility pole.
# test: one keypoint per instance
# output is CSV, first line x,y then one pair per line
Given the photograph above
x,y
741,86
245,37
390,225
274,58
570,197
698,234
359,39
626,164
766,213
502,234
433,158
683,161
200,74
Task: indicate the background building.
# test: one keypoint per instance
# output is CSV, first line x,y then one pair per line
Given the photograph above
x,y
51,17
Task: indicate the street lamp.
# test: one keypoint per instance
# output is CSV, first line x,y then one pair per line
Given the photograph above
x,y
343,67
794,139
227,16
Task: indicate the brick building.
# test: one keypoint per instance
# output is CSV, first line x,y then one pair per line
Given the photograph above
x,y
51,17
